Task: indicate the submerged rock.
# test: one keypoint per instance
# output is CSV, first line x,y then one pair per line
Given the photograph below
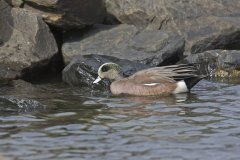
x,y
19,104
82,70
19,96
64,13
204,24
154,48
26,42
218,63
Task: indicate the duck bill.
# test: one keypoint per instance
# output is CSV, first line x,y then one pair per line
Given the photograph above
x,y
97,80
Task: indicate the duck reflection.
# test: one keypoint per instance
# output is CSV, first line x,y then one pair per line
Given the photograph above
x,y
150,106
167,99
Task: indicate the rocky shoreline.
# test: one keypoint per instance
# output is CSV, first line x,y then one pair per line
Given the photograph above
x,y
75,37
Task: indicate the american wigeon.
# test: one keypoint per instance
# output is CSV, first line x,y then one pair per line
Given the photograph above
x,y
150,82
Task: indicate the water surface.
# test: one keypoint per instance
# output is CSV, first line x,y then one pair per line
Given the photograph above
x,y
55,122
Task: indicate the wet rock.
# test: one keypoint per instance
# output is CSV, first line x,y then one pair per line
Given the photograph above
x,y
204,24
26,42
20,96
82,70
19,104
217,63
154,48
68,14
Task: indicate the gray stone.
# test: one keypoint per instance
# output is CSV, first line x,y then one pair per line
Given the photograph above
x,y
208,33
15,3
204,24
154,48
19,104
26,42
5,28
217,63
21,96
68,14
144,13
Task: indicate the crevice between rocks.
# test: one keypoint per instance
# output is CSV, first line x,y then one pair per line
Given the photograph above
x,y
50,70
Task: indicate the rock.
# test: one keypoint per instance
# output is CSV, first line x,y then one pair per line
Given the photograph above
x,y
20,96
82,70
19,104
154,48
204,24
217,63
26,42
68,14
210,33
15,3
5,28
142,14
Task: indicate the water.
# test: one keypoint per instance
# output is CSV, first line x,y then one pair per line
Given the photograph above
x,y
64,124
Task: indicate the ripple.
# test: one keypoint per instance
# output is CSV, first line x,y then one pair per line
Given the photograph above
x,y
201,125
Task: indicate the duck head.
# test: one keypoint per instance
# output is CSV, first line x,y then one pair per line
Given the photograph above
x,y
111,71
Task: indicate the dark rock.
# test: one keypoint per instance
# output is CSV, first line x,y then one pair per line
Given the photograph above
x,y
154,48
27,42
82,70
217,63
204,24
68,14
20,96
19,104
208,33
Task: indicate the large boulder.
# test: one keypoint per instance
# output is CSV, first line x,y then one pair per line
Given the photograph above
x,y
217,63
154,48
204,24
26,42
209,33
66,13
144,13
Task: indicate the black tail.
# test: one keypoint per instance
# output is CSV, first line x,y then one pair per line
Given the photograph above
x,y
192,81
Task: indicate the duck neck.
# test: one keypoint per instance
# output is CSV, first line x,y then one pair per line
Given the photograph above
x,y
117,77
114,75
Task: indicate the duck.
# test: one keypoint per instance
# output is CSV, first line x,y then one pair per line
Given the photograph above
x,y
171,79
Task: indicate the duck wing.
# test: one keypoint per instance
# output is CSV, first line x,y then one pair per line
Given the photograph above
x,y
164,74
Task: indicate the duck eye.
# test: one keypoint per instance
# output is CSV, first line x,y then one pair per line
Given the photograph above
x,y
105,68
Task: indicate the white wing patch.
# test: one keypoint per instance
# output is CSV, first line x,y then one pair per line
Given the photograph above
x,y
151,84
